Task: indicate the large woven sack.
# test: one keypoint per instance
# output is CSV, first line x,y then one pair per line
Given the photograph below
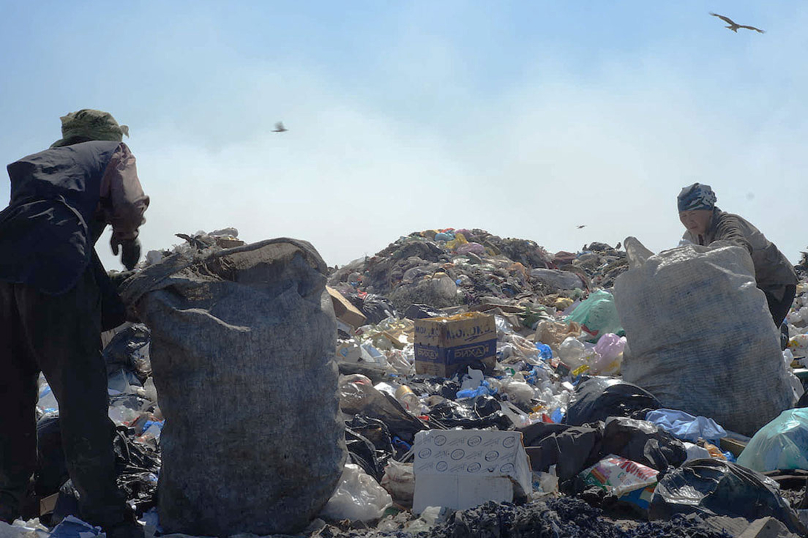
x,y
700,335
242,347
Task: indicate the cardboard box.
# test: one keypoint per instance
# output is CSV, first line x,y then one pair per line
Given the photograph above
x,y
462,469
344,310
445,345
47,504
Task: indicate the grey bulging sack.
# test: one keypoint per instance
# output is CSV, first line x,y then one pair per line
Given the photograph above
x,y
242,348
700,335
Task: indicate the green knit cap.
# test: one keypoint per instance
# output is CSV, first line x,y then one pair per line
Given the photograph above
x,y
88,124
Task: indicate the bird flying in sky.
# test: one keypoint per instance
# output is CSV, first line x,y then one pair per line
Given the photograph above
x,y
279,128
734,26
581,226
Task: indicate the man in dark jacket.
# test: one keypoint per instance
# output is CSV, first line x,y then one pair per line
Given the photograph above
x,y
52,286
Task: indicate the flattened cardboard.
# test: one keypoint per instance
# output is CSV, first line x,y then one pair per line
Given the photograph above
x,y
344,310
462,469
47,504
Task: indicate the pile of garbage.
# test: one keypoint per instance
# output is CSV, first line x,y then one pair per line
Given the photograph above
x,y
481,392
445,268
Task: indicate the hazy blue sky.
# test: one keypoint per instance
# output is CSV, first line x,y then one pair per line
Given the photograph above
x,y
525,118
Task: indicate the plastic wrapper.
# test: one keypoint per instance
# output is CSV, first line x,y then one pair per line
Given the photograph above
x,y
597,315
685,426
781,444
473,248
399,481
553,333
609,353
798,346
518,391
358,497
695,452
619,476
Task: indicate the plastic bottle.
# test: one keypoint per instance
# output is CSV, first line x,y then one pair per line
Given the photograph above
x,y
371,354
47,401
151,433
150,390
571,352
122,415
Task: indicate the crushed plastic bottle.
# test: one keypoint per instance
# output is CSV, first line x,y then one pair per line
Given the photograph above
x,y
372,355
47,400
151,432
571,352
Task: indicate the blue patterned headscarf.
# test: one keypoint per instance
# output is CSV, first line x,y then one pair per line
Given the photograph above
x,y
696,196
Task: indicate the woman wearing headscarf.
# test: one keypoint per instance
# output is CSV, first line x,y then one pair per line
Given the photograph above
x,y
705,224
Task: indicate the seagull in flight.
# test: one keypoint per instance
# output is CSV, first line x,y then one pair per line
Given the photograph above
x,y
734,26
279,128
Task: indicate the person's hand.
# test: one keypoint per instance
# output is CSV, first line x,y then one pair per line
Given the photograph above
x,y
130,251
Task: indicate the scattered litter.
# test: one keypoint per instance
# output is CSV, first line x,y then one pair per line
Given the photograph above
x,y
452,336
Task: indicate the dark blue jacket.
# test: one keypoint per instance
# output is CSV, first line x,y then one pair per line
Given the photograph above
x,y
48,231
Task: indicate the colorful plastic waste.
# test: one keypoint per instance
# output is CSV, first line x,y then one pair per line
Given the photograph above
x,y
685,426
597,315
780,444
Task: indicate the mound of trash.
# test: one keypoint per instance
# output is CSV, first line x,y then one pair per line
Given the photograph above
x,y
479,393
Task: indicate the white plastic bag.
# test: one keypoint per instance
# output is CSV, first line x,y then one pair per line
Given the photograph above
x,y
399,481
24,529
518,391
700,335
358,497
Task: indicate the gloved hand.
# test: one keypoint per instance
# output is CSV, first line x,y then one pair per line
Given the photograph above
x,y
130,251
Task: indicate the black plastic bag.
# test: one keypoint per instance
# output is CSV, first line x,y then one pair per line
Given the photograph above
x,y
440,386
128,349
362,453
51,470
132,457
478,413
377,309
570,448
803,401
598,398
357,398
374,430
643,442
137,466
710,487
420,311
